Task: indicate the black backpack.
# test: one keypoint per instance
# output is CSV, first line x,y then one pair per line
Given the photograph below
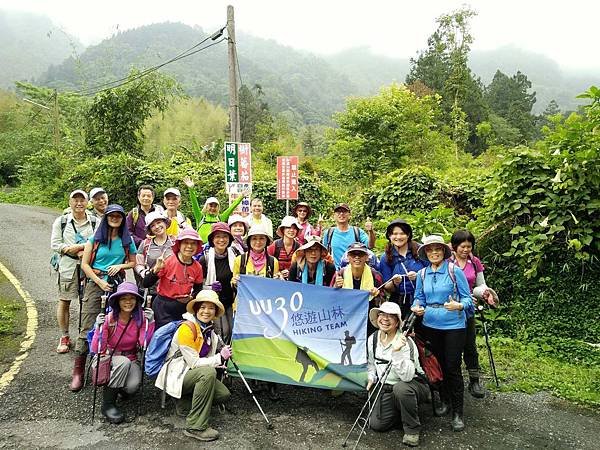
x,y
279,246
329,233
270,265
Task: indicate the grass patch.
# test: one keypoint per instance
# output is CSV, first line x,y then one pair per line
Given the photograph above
x,y
523,367
13,321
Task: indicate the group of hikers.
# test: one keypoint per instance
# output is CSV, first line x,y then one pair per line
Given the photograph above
x,y
186,278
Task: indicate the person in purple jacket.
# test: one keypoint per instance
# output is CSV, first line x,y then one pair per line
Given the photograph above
x,y
136,219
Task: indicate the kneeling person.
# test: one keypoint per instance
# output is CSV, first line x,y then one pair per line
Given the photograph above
x,y
404,386
193,352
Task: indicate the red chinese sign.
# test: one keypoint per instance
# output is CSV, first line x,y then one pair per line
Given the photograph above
x,y
287,178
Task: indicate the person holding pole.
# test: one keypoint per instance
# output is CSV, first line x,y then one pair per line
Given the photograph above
x,y
189,372
118,336
106,256
69,234
405,386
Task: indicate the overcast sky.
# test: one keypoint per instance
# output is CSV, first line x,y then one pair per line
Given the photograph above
x,y
566,31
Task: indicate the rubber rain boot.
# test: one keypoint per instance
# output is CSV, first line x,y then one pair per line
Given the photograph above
x,y
109,406
78,373
475,388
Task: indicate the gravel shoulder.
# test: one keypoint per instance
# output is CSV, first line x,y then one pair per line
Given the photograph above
x,y
38,411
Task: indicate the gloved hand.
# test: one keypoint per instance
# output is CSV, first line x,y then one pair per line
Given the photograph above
x,y
226,352
100,318
149,314
216,286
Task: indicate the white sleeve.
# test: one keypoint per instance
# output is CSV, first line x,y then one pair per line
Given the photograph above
x,y
402,365
480,280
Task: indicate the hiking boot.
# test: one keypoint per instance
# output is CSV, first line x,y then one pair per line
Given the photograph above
x,y
475,388
78,369
442,409
64,345
109,406
457,422
207,435
412,440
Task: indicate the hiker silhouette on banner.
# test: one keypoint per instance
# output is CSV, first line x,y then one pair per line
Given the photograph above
x,y
347,344
303,358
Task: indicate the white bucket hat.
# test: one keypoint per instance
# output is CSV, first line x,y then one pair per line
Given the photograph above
x,y
431,240
388,308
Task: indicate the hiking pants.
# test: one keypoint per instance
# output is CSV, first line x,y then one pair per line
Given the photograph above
x,y
471,357
447,346
124,373
399,402
166,310
90,308
204,387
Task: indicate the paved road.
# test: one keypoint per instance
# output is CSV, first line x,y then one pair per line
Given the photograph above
x,y
38,411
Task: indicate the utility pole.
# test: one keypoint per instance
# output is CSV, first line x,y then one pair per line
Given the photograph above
x,y
234,108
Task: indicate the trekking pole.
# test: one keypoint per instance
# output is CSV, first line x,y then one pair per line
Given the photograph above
x,y
79,295
102,309
148,302
488,345
269,425
410,323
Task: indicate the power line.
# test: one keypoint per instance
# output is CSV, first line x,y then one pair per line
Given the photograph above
x,y
184,54
153,69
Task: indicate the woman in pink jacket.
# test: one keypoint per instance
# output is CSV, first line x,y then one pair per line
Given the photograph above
x,y
123,332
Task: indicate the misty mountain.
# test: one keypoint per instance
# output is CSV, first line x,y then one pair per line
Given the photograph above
x,y
29,44
304,87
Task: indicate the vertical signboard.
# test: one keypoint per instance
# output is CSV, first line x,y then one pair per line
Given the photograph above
x,y
287,178
238,172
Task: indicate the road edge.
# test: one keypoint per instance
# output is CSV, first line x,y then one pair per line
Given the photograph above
x,y
30,330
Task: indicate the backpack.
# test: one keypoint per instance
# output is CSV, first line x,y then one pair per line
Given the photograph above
x,y
270,265
279,246
135,213
429,363
156,354
55,258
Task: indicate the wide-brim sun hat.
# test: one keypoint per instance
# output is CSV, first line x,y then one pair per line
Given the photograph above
x,y
388,308
153,216
298,205
127,287
234,218
311,242
257,230
219,227
287,222
430,240
206,296
403,224
187,233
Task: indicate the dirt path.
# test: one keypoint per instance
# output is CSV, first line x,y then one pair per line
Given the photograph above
x,y
38,411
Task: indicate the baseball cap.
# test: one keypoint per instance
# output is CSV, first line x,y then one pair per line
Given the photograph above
x,y
78,191
358,247
342,206
95,191
172,191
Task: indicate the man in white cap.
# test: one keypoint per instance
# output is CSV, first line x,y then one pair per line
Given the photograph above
x,y
99,199
172,200
69,234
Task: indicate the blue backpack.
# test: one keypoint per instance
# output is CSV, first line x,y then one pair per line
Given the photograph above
x,y
160,343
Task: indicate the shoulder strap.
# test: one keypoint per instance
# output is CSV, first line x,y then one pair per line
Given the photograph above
x,y
422,274
375,336
329,236
243,264
453,278
135,214
270,266
192,327
93,222
278,247
94,251
356,234
63,224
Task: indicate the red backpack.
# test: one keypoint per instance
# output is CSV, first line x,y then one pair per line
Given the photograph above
x,y
430,364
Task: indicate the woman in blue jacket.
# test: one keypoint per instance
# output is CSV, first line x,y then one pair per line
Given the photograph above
x,y
443,299
400,264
